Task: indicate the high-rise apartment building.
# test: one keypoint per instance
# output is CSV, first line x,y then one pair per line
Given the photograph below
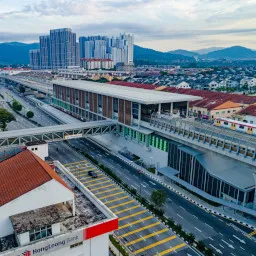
x,y
34,57
63,48
130,42
118,49
59,50
45,52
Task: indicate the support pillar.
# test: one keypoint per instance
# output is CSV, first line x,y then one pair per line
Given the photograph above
x,y
171,109
139,117
187,109
159,108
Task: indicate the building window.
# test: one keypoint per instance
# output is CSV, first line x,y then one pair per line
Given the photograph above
x,y
75,245
241,126
228,111
217,113
115,105
135,110
226,123
40,233
100,100
223,112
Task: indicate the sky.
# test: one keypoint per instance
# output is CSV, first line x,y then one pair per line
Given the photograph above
x,y
158,24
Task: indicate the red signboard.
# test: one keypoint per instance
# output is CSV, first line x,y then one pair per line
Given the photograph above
x,y
100,229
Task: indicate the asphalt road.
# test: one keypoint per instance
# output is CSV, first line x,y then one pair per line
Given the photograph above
x,y
217,233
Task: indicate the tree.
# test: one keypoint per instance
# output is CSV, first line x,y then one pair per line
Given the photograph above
x,y
30,114
208,252
158,198
5,117
191,238
16,106
201,246
22,89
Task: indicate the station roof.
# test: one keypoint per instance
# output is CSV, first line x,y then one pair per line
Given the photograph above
x,y
229,170
138,95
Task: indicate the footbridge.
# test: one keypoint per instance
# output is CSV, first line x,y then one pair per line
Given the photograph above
x,y
56,132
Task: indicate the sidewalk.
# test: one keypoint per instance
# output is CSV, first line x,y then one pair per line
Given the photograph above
x,y
225,213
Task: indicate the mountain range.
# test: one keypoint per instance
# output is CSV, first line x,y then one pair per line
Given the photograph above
x,y
18,53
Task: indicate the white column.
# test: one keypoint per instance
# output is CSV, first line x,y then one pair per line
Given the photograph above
x,y
187,108
74,208
139,117
159,108
171,109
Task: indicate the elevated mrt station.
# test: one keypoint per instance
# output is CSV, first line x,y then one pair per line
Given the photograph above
x,y
133,110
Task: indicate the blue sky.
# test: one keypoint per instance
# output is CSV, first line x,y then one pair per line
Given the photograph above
x,y
158,24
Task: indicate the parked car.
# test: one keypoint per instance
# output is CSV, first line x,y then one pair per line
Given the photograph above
x,y
93,174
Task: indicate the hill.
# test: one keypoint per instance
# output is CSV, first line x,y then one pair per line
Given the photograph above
x,y
15,52
149,55
234,52
208,50
184,53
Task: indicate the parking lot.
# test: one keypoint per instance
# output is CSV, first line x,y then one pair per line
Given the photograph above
x,y
138,229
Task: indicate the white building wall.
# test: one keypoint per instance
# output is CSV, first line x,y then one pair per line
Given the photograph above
x,y
40,150
97,246
50,193
155,156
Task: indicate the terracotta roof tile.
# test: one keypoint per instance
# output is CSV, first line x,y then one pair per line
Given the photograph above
x,y
228,104
23,173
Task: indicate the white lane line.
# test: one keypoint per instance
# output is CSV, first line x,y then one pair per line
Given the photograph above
x,y
182,208
180,216
232,254
198,229
133,186
137,185
143,186
152,183
221,234
147,193
221,245
231,240
127,178
211,238
195,216
242,248
208,225
169,199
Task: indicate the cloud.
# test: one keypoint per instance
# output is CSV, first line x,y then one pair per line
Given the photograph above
x,y
23,37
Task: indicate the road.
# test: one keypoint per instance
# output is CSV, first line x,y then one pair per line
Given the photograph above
x,y
214,231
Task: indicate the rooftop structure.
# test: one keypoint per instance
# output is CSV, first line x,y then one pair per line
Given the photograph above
x,y
131,94
66,216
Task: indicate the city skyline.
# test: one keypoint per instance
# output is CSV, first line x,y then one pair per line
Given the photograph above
x,y
160,25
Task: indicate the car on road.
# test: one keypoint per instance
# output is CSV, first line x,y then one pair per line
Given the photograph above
x,y
93,174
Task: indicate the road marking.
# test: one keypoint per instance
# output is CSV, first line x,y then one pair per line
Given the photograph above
x,y
240,240
131,215
106,191
252,233
220,234
242,248
211,238
229,245
231,240
118,193
147,193
152,183
135,222
140,229
195,216
143,185
180,216
127,209
114,200
216,249
117,205
232,254
133,187
208,225
75,162
182,208
148,236
198,229
110,185
137,185
221,246
171,249
94,180
155,244
95,184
